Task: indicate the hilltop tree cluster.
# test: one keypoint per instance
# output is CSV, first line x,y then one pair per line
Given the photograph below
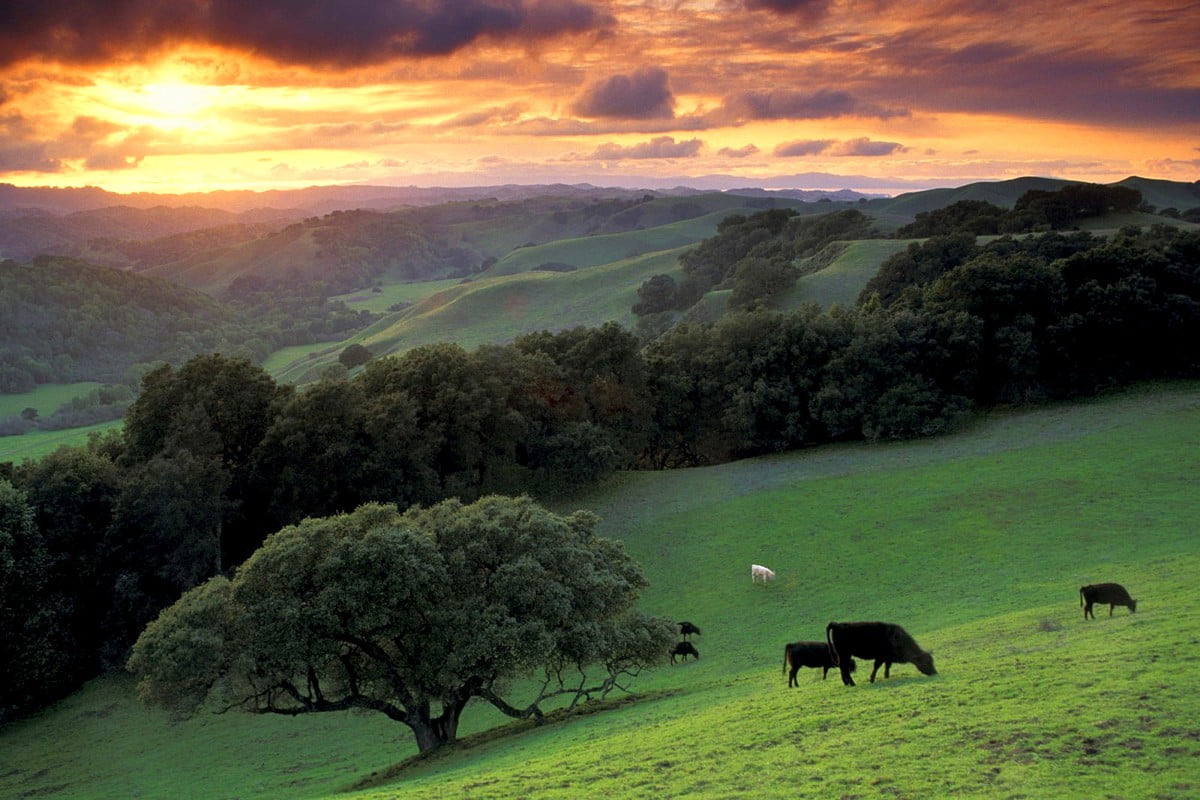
x,y
1035,210
756,257
215,455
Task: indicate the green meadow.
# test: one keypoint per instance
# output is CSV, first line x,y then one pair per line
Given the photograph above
x,y
37,444
494,310
976,543
45,399
843,279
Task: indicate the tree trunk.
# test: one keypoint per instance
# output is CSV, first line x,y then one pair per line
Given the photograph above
x,y
432,732
427,736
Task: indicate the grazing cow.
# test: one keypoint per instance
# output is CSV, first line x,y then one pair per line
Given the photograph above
x,y
759,571
686,629
884,642
1112,593
808,654
684,649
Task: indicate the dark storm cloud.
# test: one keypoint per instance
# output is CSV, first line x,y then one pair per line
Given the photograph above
x,y
784,104
334,32
642,95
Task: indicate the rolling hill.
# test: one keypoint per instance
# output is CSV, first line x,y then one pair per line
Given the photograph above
x,y
976,543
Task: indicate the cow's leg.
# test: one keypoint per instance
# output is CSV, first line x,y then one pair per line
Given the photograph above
x,y
792,677
887,669
1110,609
1087,611
846,679
825,673
876,669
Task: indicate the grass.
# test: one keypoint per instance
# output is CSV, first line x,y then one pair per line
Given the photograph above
x,y
37,444
976,543
391,294
592,251
46,398
497,310
843,280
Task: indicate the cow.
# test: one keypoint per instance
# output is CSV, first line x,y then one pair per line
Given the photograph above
x,y
759,571
684,649
884,642
686,629
1112,593
808,654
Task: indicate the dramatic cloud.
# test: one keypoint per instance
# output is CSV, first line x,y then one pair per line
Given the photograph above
x,y
855,147
339,32
642,95
781,104
865,147
810,9
659,147
740,152
472,119
804,147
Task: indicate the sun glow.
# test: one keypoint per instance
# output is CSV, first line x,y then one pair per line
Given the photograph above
x,y
176,105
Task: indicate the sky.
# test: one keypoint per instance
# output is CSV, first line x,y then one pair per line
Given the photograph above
x,y
876,95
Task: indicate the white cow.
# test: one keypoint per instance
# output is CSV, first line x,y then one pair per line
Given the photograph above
x,y
759,571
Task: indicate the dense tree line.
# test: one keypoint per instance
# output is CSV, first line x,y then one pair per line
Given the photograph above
x,y
1035,210
215,455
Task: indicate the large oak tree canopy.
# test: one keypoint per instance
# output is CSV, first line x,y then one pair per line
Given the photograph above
x,y
411,615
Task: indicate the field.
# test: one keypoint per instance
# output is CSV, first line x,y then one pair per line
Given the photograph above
x,y
976,543
46,399
497,310
844,278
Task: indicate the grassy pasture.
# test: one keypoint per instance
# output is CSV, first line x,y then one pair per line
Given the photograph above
x,y
497,310
591,251
393,293
36,444
46,398
976,543
843,280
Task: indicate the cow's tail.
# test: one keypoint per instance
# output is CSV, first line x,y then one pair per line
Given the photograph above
x,y
1081,588
787,658
833,653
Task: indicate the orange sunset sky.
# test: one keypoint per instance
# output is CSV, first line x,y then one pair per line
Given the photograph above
x,y
878,95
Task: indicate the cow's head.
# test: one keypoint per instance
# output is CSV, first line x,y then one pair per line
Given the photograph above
x,y
924,662
1132,606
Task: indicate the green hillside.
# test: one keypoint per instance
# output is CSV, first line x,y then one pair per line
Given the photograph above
x,y
1000,193
1165,194
976,543
496,310
844,278
592,251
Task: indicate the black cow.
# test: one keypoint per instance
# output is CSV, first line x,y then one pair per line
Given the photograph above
x,y
808,654
684,649
1112,593
883,642
687,628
